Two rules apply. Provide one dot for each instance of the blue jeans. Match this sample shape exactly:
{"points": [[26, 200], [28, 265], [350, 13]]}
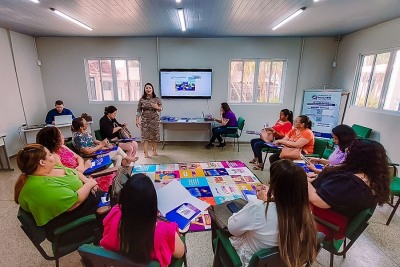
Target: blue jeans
{"points": [[217, 131], [256, 145]]}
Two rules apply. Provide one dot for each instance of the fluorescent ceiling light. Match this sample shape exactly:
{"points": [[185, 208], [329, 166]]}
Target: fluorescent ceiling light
{"points": [[182, 19], [70, 19], [295, 14], [35, 1], [178, 1]]}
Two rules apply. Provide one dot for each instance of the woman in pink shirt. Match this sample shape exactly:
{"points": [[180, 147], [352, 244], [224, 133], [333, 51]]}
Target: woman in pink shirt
{"points": [[132, 228]]}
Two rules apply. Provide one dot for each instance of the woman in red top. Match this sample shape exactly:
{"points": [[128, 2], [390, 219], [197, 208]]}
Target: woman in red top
{"points": [[132, 228], [278, 131]]}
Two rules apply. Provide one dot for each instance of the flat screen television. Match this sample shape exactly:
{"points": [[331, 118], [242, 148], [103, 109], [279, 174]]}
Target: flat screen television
{"points": [[185, 83]]}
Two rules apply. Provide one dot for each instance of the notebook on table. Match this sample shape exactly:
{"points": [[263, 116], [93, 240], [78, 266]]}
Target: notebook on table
{"points": [[62, 119]]}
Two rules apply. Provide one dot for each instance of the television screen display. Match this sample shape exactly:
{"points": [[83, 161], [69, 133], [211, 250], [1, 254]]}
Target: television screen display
{"points": [[185, 83]]}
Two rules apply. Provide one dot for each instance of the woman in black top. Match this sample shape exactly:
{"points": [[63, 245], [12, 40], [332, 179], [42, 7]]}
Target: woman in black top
{"points": [[110, 127], [361, 182]]}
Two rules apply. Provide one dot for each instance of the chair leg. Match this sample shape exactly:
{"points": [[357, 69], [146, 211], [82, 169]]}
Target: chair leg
{"points": [[393, 211], [238, 144], [57, 263], [331, 260], [344, 248], [265, 158]]}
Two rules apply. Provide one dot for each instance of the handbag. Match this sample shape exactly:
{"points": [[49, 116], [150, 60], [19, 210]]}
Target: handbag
{"points": [[290, 153], [266, 136], [124, 133]]}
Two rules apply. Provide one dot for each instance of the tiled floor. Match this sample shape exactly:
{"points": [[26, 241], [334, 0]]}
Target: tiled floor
{"points": [[378, 246]]}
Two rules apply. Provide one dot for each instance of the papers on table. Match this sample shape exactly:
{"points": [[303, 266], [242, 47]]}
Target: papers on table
{"points": [[178, 205]]}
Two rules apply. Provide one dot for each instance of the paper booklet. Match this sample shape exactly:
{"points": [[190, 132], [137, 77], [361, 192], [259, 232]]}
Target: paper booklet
{"points": [[253, 132], [178, 205], [99, 164], [272, 145], [104, 151]]}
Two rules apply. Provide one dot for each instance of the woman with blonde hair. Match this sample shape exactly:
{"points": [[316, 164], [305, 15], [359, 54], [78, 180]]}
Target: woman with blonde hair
{"points": [[280, 217]]}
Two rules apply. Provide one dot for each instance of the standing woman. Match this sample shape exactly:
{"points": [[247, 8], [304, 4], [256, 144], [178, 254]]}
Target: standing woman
{"points": [[110, 127], [148, 119]]}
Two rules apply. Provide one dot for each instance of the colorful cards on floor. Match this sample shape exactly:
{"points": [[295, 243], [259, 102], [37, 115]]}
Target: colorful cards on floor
{"points": [[211, 182]]}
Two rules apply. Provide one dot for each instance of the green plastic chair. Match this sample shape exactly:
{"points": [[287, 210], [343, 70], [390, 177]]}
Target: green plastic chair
{"points": [[237, 133], [98, 136], [96, 256], [394, 191], [354, 230], [37, 235], [362, 131], [319, 148], [225, 254]]}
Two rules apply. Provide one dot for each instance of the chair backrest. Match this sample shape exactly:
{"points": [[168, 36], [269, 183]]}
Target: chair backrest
{"points": [[267, 257], [95, 256], [241, 123], [327, 153], [362, 131], [319, 146], [35, 233], [358, 224], [98, 136]]}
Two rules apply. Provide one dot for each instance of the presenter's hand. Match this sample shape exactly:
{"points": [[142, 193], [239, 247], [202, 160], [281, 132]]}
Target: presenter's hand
{"points": [[138, 121]]}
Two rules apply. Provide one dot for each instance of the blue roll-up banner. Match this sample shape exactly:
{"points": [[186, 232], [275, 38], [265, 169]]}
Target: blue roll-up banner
{"points": [[322, 107]]}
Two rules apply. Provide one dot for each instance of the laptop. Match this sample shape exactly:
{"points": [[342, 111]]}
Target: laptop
{"points": [[62, 119]]}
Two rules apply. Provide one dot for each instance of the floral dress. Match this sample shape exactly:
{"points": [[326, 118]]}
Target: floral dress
{"points": [[150, 119]]}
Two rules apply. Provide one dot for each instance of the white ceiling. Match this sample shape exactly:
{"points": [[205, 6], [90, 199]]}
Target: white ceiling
{"points": [[205, 18]]}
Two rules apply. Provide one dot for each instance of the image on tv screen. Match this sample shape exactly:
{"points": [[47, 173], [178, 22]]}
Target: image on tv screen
{"points": [[185, 83]]}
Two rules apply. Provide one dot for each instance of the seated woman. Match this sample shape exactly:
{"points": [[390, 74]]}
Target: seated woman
{"points": [[361, 182], [228, 119], [343, 135], [53, 140], [300, 137], [278, 131], [135, 232], [84, 142], [280, 217], [110, 128], [54, 194]]}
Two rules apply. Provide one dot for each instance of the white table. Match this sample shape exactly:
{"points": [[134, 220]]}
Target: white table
{"points": [[30, 134], [187, 123], [4, 160]]}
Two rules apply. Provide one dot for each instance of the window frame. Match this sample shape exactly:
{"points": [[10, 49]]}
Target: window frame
{"points": [[255, 83], [385, 86], [114, 80]]}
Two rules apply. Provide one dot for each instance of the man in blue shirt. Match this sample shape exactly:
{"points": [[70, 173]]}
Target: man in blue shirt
{"points": [[58, 111]]}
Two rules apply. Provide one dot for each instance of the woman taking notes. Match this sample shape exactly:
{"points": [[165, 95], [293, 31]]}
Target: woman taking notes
{"points": [[227, 119], [148, 119], [280, 217], [132, 228]]}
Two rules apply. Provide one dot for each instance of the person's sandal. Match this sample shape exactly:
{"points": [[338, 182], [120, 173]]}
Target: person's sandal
{"points": [[258, 167], [253, 161]]}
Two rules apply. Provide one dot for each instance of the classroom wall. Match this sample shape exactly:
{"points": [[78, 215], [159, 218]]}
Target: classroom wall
{"points": [[386, 126], [64, 75], [22, 79]]}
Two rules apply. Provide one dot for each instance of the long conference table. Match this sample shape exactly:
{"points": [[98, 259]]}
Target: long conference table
{"points": [[166, 122]]}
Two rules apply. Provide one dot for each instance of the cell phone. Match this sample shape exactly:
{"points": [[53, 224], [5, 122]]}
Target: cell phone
{"points": [[306, 160], [232, 207]]}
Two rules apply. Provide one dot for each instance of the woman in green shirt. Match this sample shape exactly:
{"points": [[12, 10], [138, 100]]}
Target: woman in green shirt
{"points": [[54, 194]]}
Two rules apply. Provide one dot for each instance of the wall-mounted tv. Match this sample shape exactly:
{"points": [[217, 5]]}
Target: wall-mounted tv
{"points": [[185, 83]]}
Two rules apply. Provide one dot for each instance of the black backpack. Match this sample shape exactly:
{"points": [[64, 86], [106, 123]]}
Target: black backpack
{"points": [[118, 182]]}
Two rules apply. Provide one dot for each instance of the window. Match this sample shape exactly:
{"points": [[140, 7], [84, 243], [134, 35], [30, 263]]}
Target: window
{"points": [[112, 79], [377, 83], [256, 81]]}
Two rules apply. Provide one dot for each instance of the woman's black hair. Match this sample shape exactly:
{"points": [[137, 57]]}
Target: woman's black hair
{"points": [[144, 91], [225, 106], [109, 110], [76, 124], [50, 137], [306, 120], [345, 134], [138, 202], [289, 115]]}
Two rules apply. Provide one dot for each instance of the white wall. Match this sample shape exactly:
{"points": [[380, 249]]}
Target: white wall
{"points": [[64, 75], [385, 127], [29, 82]]}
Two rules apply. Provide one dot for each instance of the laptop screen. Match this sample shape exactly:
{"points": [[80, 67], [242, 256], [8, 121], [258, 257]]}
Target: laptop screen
{"points": [[62, 119]]}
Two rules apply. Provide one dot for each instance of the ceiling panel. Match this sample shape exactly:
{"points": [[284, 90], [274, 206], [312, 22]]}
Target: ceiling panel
{"points": [[204, 18]]}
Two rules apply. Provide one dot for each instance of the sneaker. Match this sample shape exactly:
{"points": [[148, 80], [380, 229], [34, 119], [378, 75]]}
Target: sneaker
{"points": [[221, 144], [209, 146]]}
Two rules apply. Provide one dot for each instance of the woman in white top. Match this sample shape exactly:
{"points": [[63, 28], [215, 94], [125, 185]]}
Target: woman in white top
{"points": [[280, 217]]}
